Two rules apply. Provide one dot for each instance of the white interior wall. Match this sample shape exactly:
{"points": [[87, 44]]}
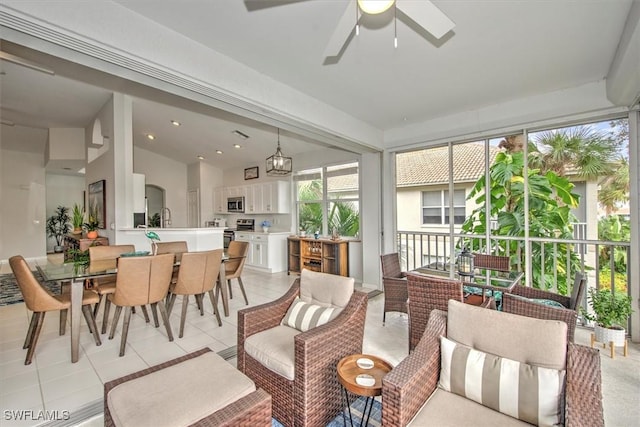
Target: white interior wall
{"points": [[22, 204], [168, 174]]}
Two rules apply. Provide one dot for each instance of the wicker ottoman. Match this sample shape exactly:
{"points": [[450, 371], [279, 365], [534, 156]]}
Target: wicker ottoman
{"points": [[199, 389]]}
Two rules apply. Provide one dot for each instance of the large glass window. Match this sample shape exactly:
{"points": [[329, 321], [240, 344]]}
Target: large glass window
{"points": [[328, 200], [435, 207]]}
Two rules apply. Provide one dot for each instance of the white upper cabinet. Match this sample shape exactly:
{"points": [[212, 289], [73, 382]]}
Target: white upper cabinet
{"points": [[219, 200], [276, 197]]}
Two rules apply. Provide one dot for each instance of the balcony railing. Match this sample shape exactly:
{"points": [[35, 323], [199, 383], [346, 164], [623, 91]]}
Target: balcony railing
{"points": [[436, 249]]}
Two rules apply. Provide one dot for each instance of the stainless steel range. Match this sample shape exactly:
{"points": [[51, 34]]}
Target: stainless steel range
{"points": [[243, 224]]}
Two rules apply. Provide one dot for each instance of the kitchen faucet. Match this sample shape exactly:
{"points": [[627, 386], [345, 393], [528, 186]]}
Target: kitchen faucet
{"points": [[165, 217]]}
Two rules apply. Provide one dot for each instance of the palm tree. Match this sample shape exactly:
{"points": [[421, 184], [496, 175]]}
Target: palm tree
{"points": [[614, 188], [587, 150]]}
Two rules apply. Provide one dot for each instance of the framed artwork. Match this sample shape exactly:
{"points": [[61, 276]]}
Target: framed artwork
{"points": [[97, 202], [251, 173]]}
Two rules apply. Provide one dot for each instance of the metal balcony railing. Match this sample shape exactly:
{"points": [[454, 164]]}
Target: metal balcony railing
{"points": [[437, 249]]}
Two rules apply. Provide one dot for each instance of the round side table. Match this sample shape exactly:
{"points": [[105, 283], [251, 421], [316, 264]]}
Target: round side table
{"points": [[348, 372]]}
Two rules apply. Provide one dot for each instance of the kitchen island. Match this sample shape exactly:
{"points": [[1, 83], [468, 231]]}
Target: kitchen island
{"points": [[198, 239]]}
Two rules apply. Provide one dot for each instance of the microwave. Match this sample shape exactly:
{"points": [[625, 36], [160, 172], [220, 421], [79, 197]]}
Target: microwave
{"points": [[235, 204]]}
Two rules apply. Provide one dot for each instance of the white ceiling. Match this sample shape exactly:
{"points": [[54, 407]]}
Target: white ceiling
{"points": [[498, 51]]}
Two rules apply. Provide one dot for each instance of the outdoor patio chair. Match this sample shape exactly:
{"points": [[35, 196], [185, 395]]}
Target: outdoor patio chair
{"points": [[427, 293], [532, 302], [395, 285], [296, 365], [439, 383]]}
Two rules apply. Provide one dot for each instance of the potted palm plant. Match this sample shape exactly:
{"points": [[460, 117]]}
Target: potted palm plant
{"points": [[91, 226], [77, 219], [58, 225], [610, 312]]}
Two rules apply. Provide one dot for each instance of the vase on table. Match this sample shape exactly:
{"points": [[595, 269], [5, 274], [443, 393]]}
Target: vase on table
{"points": [[93, 234], [265, 229]]}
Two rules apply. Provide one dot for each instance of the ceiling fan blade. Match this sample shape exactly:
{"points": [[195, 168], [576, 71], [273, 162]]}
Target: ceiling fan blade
{"points": [[343, 30], [427, 15]]}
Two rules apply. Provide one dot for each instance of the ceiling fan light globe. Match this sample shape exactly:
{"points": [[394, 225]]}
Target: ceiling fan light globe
{"points": [[374, 7]]}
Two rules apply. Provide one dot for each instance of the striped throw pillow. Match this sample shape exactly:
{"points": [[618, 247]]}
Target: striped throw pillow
{"points": [[304, 316], [529, 393]]}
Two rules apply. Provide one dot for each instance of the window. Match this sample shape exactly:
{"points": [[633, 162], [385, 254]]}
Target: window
{"points": [[435, 207], [329, 198]]}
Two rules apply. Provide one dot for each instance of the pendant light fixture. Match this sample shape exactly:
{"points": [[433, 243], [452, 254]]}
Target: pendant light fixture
{"points": [[277, 164]]}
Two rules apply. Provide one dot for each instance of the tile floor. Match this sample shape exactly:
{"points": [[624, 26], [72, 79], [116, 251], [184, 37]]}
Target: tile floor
{"points": [[53, 383]]}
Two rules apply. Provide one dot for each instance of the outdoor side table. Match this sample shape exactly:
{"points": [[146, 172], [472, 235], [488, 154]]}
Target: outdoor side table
{"points": [[350, 376]]}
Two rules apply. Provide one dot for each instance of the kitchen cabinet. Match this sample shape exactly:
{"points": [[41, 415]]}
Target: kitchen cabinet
{"points": [[267, 251], [219, 200], [273, 197], [322, 255]]}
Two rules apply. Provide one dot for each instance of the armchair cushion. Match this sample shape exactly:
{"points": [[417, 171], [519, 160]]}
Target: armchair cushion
{"points": [[326, 290], [304, 316], [502, 334], [274, 349], [527, 392]]}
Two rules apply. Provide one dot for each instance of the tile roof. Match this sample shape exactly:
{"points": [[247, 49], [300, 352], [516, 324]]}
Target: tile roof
{"points": [[431, 166]]}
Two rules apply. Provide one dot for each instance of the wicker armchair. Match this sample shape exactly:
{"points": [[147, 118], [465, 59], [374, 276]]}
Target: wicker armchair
{"points": [[412, 382], [313, 397], [395, 285], [519, 302], [427, 293]]}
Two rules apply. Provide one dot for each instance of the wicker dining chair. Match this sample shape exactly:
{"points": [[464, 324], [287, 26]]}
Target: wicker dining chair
{"points": [[39, 300], [310, 394], [528, 301], [491, 262], [197, 275], [427, 293], [394, 281]]}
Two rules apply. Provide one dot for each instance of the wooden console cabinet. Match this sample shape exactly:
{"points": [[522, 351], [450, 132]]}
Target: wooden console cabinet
{"points": [[80, 242], [323, 255]]}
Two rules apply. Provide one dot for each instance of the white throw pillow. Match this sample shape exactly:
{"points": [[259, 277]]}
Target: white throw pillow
{"points": [[304, 316], [529, 393]]}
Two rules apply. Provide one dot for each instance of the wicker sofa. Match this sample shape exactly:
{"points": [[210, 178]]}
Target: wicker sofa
{"points": [[525, 340], [308, 393]]}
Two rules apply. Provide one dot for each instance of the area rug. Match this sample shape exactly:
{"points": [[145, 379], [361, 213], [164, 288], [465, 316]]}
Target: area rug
{"points": [[10, 292], [356, 412]]}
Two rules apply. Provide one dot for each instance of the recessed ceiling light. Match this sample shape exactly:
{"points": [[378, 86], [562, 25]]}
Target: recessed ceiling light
{"points": [[175, 123], [200, 157], [150, 137], [218, 151], [236, 145], [240, 134]]}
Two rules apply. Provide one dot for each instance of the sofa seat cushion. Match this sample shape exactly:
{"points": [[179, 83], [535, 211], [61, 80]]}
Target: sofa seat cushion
{"points": [[501, 333], [178, 395], [529, 393], [274, 349], [444, 409]]}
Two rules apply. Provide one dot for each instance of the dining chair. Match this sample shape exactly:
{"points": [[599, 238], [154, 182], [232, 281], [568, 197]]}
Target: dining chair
{"points": [[234, 265], [394, 281], [541, 304], [197, 275], [427, 293], [177, 248], [491, 262], [141, 281], [39, 300], [101, 258]]}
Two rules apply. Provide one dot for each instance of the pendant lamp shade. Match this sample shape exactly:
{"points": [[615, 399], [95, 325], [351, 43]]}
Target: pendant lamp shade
{"points": [[278, 164]]}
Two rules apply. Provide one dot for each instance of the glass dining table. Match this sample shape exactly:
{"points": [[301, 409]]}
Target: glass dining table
{"points": [[76, 274], [488, 280]]}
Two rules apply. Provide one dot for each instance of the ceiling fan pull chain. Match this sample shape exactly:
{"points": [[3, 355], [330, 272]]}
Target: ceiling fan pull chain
{"points": [[395, 26], [357, 24]]}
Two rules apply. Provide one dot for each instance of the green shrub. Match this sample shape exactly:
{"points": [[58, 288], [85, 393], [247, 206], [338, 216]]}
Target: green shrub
{"points": [[620, 280]]}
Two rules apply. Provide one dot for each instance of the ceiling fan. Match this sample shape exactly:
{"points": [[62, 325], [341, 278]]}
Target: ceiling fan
{"points": [[422, 12]]}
